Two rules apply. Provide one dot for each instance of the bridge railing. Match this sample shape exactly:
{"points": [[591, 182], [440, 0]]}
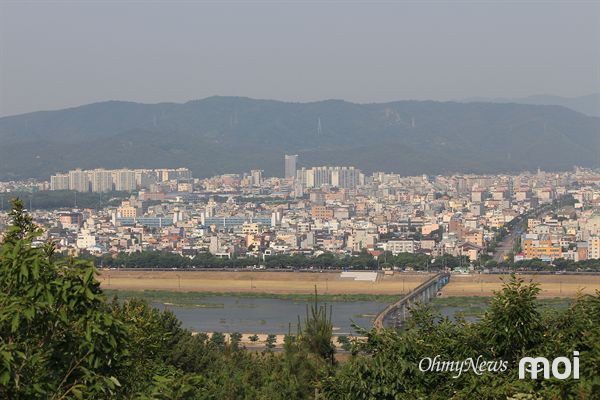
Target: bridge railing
{"points": [[378, 323]]}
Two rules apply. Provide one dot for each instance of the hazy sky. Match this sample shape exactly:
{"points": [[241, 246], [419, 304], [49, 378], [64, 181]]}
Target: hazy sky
{"points": [[60, 54]]}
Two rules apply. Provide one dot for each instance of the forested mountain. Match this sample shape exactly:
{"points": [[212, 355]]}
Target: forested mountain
{"points": [[232, 134], [588, 104]]}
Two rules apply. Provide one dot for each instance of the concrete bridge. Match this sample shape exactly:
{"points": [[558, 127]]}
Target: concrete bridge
{"points": [[395, 314]]}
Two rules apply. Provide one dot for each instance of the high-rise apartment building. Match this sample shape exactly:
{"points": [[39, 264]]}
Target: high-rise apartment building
{"points": [[256, 175], [171, 174], [341, 177], [102, 180], [124, 180], [79, 180], [59, 182], [346, 177], [145, 177], [180, 174], [290, 166]]}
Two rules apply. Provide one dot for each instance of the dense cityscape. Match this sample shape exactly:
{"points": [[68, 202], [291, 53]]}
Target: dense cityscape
{"points": [[327, 209]]}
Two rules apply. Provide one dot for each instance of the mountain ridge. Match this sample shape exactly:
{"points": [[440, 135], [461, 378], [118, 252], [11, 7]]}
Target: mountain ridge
{"points": [[587, 104], [222, 134]]}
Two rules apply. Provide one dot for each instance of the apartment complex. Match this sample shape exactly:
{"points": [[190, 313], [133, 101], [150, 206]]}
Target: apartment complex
{"points": [[127, 180]]}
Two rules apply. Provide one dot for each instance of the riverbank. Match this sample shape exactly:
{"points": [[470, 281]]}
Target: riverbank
{"points": [[259, 340], [551, 285], [326, 283]]}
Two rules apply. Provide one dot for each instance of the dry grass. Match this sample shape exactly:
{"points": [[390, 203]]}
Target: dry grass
{"points": [[550, 285], [330, 283], [256, 281]]}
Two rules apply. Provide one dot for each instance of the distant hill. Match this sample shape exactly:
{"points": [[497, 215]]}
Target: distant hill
{"points": [[232, 134], [589, 105]]}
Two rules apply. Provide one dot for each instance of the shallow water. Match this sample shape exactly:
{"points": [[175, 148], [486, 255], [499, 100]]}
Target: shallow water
{"points": [[263, 315]]}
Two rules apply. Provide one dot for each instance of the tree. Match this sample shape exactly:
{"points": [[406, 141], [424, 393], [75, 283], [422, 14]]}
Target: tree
{"points": [[386, 365], [153, 338], [270, 342], [218, 340], [58, 337], [344, 342], [234, 340], [513, 323], [316, 335]]}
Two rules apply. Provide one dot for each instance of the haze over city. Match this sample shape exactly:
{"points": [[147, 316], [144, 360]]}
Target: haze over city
{"points": [[63, 54]]}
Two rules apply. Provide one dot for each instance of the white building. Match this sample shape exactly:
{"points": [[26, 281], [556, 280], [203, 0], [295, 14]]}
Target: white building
{"points": [[124, 180], [290, 165], [59, 182], [85, 239], [79, 180], [400, 246], [341, 177], [102, 180]]}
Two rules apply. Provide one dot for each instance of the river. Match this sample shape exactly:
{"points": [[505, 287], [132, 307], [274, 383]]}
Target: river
{"points": [[265, 315]]}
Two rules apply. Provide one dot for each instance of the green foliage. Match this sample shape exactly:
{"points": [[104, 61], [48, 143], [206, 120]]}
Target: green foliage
{"points": [[270, 342], [151, 337], [344, 342], [57, 335], [174, 385], [386, 365], [59, 338], [513, 324], [217, 339], [53, 199], [316, 335], [361, 261], [234, 340], [198, 298]]}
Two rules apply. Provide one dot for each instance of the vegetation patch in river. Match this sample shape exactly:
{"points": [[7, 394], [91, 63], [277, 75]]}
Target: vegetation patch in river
{"points": [[474, 307], [195, 305], [162, 296]]}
